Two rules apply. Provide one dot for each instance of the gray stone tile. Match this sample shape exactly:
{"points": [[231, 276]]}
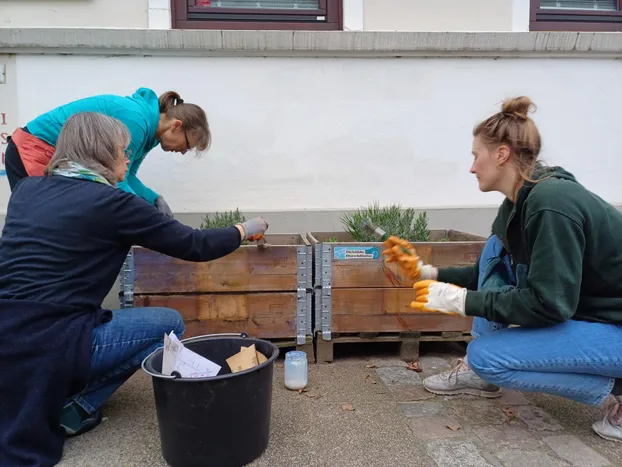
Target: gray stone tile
{"points": [[572, 449], [510, 397], [457, 453], [435, 428], [433, 364], [527, 458], [506, 437], [393, 376], [479, 413], [384, 362], [422, 409], [537, 419]]}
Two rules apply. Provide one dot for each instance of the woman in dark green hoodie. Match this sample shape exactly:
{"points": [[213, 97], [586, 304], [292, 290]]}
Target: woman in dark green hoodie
{"points": [[167, 121], [553, 267]]}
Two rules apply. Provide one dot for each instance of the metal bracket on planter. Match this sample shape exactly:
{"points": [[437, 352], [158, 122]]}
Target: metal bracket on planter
{"points": [[324, 308], [302, 267], [127, 281], [301, 317], [304, 324], [326, 312], [318, 264], [309, 262], [327, 253]]}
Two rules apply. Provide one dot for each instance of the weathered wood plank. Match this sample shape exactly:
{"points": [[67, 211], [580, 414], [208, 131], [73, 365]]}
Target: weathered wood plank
{"points": [[373, 272], [249, 268], [386, 310], [265, 315]]}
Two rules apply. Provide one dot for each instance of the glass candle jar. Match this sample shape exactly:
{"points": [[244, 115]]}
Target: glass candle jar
{"points": [[296, 370]]}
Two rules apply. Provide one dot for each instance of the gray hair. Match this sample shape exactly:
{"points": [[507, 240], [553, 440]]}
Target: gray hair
{"points": [[92, 140]]}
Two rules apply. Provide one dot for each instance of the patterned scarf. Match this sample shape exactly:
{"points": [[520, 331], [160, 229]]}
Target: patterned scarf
{"points": [[75, 170]]}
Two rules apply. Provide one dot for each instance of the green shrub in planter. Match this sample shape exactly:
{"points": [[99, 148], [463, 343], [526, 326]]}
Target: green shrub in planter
{"points": [[403, 223], [226, 219]]}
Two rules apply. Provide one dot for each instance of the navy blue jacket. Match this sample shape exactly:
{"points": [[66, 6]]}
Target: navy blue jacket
{"points": [[61, 250]]}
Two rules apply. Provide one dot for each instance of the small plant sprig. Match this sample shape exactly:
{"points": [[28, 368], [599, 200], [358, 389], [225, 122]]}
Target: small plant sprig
{"points": [[395, 220], [226, 219]]}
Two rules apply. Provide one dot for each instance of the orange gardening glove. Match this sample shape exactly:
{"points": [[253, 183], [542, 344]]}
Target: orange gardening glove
{"points": [[402, 252], [439, 297]]}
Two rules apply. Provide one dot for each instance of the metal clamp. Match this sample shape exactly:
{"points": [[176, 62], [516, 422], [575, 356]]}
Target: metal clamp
{"points": [[127, 281], [301, 317]]}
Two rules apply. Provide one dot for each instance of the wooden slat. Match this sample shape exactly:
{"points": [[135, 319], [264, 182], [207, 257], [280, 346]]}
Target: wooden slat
{"points": [[249, 268], [375, 273], [386, 310], [269, 315]]}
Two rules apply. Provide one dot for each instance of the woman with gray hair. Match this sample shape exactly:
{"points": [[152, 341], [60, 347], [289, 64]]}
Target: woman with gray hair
{"points": [[65, 239]]}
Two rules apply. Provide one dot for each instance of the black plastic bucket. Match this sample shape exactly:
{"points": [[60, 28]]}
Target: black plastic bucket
{"points": [[222, 420]]}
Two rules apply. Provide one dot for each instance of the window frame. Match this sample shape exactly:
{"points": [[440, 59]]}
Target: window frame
{"points": [[331, 9], [574, 20]]}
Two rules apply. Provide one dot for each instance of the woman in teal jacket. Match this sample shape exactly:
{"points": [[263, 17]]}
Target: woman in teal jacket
{"points": [[168, 121]]}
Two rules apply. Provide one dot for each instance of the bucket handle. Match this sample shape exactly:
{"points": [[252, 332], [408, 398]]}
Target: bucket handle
{"points": [[175, 374], [243, 335]]}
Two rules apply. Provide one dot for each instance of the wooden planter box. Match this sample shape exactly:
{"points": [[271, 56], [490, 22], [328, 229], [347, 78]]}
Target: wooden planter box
{"points": [[264, 292], [358, 298]]}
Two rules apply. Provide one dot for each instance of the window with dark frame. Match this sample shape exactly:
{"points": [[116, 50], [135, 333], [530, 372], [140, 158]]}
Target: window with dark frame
{"points": [[576, 15], [257, 14]]}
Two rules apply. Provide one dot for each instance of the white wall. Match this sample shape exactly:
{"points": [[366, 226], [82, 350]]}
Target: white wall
{"points": [[76, 13], [338, 133], [8, 117], [439, 15]]}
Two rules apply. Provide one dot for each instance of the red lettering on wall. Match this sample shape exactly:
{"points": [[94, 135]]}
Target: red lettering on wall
{"points": [[2, 118], [4, 138]]}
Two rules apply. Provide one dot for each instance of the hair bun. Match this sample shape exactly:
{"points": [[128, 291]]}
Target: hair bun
{"points": [[518, 106]]}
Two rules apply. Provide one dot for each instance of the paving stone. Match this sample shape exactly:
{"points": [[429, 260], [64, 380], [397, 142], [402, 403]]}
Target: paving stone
{"points": [[422, 409], [571, 449], [537, 419], [479, 412], [409, 393], [433, 365], [385, 362], [457, 453], [510, 397], [392, 376], [435, 428], [505, 437], [526, 458]]}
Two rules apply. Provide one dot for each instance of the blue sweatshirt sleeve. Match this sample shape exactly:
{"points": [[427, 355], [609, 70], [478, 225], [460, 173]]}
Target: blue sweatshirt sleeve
{"points": [[137, 153], [139, 223]]}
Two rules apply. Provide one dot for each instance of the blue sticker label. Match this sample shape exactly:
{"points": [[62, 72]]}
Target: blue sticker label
{"points": [[356, 252]]}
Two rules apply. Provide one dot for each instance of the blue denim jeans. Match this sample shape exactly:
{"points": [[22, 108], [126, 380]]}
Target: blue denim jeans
{"points": [[577, 360], [120, 346]]}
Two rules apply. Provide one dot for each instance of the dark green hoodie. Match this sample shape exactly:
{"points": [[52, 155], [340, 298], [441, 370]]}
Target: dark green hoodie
{"points": [[566, 248]]}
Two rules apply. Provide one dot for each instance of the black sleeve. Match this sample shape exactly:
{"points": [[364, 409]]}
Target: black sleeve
{"points": [[140, 223]]}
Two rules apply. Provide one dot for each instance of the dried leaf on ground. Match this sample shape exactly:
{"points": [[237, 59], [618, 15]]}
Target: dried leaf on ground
{"points": [[454, 427], [509, 414], [370, 365], [370, 379], [348, 407], [414, 366]]}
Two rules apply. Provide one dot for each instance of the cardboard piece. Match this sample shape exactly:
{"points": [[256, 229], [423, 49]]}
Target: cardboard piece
{"points": [[246, 358]]}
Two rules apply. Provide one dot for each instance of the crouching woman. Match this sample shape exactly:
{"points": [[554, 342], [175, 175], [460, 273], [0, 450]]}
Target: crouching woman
{"points": [[64, 241]]}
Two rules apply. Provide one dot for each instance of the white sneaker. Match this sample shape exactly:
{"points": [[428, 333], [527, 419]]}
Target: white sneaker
{"points": [[610, 428], [460, 380]]}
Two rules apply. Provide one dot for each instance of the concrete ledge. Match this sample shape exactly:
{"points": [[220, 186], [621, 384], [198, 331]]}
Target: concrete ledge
{"points": [[307, 43]]}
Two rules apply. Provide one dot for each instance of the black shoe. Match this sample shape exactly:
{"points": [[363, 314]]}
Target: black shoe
{"points": [[76, 421]]}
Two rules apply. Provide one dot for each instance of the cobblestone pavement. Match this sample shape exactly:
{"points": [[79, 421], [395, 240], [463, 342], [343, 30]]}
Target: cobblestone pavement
{"points": [[509, 431], [373, 411]]}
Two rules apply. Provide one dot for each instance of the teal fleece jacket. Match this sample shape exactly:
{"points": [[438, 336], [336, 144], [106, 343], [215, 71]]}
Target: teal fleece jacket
{"points": [[564, 242], [140, 113]]}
